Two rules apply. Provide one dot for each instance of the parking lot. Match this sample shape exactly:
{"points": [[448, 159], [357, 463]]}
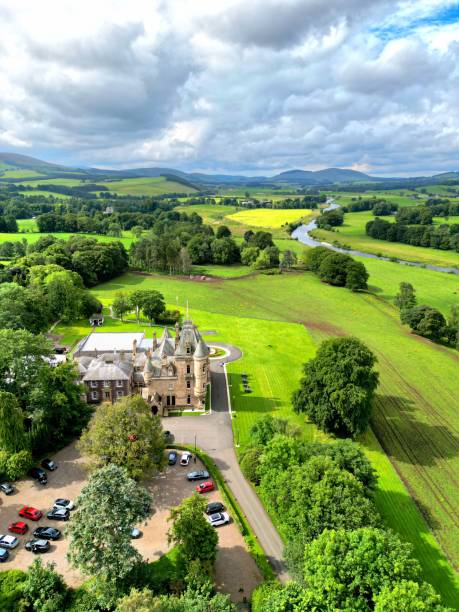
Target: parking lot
{"points": [[235, 571]]}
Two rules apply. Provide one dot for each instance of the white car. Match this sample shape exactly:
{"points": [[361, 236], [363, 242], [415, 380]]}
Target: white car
{"points": [[64, 503], [8, 541], [218, 519], [185, 458]]}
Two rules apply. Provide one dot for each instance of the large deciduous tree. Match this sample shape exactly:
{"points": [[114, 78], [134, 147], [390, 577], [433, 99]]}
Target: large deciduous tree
{"points": [[190, 531], [409, 596], [121, 304], [127, 434], [12, 435], [347, 569], [100, 531], [153, 304], [338, 386]]}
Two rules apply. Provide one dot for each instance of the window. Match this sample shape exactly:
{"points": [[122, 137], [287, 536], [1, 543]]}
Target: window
{"points": [[204, 368], [106, 383], [170, 400], [188, 349], [170, 387], [188, 399], [119, 394], [203, 385], [93, 383], [119, 383], [107, 394], [94, 395], [188, 369], [188, 384]]}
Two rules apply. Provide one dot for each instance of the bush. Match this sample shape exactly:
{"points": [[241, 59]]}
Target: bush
{"points": [[249, 464], [11, 586], [18, 464]]}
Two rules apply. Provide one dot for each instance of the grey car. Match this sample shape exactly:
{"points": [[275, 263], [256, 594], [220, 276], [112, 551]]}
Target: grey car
{"points": [[198, 475]]}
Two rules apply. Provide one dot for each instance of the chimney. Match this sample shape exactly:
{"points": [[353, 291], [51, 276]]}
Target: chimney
{"points": [[177, 334], [155, 341]]}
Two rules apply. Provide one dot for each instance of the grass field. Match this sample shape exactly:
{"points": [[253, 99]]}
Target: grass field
{"points": [[65, 182], [402, 197], [19, 173], [43, 192], [352, 233], [268, 218], [415, 417], [146, 186]]}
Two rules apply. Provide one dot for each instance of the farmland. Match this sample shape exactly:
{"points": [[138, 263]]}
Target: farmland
{"points": [[352, 233], [414, 419], [269, 218]]}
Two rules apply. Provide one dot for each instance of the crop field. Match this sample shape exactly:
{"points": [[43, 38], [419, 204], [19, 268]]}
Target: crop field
{"points": [[415, 418], [402, 197], [146, 186], [268, 218], [352, 233]]}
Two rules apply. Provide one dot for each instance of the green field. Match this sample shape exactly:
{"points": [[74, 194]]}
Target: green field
{"points": [[415, 418], [146, 186], [268, 218], [352, 233], [402, 197], [19, 173], [65, 182], [42, 192], [32, 237]]}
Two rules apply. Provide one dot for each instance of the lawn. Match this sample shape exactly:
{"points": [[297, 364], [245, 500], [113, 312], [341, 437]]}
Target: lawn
{"points": [[268, 218], [146, 186], [415, 419], [352, 233]]}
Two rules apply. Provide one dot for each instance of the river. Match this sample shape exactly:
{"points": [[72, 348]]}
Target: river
{"points": [[302, 234]]}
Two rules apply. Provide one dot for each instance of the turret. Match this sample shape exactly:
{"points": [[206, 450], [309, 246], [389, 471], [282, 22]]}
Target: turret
{"points": [[177, 334], [148, 371], [155, 341], [201, 365]]}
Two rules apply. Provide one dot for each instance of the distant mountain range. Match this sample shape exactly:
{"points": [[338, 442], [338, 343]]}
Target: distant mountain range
{"points": [[298, 178]]}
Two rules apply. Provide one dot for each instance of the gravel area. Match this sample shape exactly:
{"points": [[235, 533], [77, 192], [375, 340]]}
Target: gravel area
{"points": [[235, 571]]}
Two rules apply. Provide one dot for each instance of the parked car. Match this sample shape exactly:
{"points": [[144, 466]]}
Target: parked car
{"points": [[58, 514], [135, 533], [49, 464], [4, 554], [8, 541], [64, 503], [185, 458], [39, 474], [168, 437], [29, 512], [6, 488], [172, 458], [47, 533], [205, 487], [18, 527], [214, 507], [218, 519], [37, 546], [198, 475]]}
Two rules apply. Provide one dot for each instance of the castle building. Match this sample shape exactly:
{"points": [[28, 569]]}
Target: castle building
{"points": [[171, 372]]}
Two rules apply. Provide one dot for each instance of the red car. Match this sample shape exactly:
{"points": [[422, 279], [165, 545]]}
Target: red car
{"points": [[31, 513], [205, 487], [18, 527]]}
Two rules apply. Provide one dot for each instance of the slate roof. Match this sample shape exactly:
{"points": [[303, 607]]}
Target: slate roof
{"points": [[99, 370]]}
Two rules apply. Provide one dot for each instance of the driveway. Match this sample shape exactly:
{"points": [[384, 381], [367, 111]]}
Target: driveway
{"points": [[214, 435]]}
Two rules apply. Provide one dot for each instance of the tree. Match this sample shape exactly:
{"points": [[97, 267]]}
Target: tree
{"points": [[333, 269], [312, 258], [152, 304], [121, 304], [338, 386], [185, 261], [225, 251], [289, 259], [23, 308], [223, 231], [427, 321], [64, 291], [136, 302], [266, 427], [263, 261], [115, 229], [44, 589], [405, 299], [409, 596], [274, 597], [100, 530], [125, 434], [356, 276], [453, 326], [137, 231], [250, 462], [200, 250], [249, 255], [191, 532], [197, 599], [12, 434], [347, 569]]}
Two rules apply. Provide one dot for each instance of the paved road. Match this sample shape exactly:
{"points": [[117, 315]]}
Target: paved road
{"points": [[214, 435]]}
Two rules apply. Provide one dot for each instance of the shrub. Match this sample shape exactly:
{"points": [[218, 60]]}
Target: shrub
{"points": [[249, 464], [18, 464], [11, 586]]}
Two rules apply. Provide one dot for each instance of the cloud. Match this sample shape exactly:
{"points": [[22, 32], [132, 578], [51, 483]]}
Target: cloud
{"points": [[255, 86]]}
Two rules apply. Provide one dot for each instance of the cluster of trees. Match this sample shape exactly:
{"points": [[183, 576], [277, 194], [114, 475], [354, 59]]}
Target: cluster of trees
{"points": [[330, 219], [94, 261], [40, 405], [338, 386], [147, 301], [445, 237], [336, 269], [379, 206], [425, 320], [442, 207], [418, 215], [308, 200], [8, 224], [337, 550], [259, 251]]}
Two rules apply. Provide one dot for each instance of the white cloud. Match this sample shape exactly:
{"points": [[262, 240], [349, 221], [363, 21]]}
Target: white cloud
{"points": [[260, 85]]}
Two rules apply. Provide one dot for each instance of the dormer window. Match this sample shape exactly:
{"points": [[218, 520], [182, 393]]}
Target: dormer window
{"points": [[171, 371], [188, 349]]}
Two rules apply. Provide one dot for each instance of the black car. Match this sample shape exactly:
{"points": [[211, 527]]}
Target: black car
{"points": [[49, 464], [47, 533], [172, 458], [37, 545], [6, 488], [39, 474], [214, 507], [198, 475], [58, 514], [4, 554]]}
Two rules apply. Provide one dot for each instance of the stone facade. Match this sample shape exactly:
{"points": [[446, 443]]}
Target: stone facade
{"points": [[170, 373]]}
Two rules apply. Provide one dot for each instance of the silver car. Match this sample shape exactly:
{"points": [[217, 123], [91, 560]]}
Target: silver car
{"points": [[8, 541], [218, 519]]}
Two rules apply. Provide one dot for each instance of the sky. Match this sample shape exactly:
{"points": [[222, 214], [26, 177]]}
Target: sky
{"points": [[229, 86]]}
